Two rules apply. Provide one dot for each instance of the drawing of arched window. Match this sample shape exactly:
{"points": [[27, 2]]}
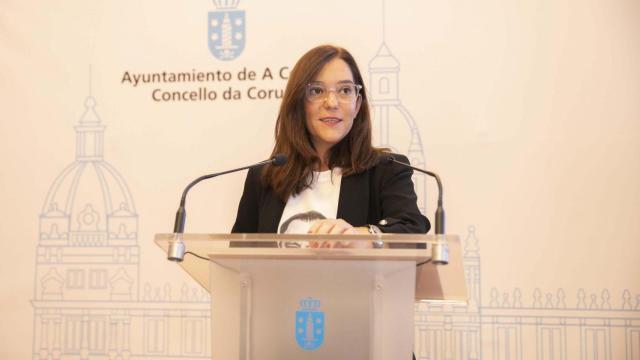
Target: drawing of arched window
{"points": [[383, 85], [595, 343], [193, 336], [507, 343]]}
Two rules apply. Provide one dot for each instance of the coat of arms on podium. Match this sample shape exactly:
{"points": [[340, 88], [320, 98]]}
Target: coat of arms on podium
{"points": [[309, 324], [226, 30]]}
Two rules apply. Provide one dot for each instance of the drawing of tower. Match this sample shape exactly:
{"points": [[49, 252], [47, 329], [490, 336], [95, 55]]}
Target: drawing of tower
{"points": [[392, 122], [88, 302], [88, 248], [509, 327], [452, 331]]}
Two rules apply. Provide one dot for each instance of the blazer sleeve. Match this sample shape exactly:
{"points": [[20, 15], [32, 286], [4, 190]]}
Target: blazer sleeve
{"points": [[398, 200], [248, 208]]}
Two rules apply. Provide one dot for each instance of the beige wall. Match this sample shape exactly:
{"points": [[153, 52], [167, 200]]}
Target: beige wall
{"points": [[528, 110]]}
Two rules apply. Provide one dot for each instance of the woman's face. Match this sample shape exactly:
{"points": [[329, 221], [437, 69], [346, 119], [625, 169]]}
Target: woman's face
{"points": [[328, 118]]}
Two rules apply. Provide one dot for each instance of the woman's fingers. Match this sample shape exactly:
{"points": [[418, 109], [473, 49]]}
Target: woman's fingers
{"points": [[330, 226], [336, 227]]}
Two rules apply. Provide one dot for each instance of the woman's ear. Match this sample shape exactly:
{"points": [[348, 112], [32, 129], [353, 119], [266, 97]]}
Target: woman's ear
{"points": [[358, 103]]}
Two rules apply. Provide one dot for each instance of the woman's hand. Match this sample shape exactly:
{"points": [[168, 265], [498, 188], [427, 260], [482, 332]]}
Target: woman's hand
{"points": [[332, 226], [337, 227]]}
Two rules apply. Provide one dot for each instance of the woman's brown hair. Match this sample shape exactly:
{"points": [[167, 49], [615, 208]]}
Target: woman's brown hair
{"points": [[353, 154]]}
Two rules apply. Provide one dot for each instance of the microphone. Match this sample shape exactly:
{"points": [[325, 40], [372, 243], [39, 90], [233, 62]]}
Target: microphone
{"points": [[176, 247], [440, 251]]}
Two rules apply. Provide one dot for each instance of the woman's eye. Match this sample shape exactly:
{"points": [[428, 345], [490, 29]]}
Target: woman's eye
{"points": [[316, 91], [346, 90]]}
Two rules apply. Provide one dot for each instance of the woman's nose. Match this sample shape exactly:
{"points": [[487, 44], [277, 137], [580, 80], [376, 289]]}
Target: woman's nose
{"points": [[331, 100]]}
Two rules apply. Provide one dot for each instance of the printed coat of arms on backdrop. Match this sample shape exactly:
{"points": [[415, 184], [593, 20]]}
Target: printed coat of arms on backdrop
{"points": [[226, 30], [309, 324]]}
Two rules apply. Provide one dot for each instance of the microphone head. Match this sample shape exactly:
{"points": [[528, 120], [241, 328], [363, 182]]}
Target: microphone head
{"points": [[279, 160], [386, 158]]}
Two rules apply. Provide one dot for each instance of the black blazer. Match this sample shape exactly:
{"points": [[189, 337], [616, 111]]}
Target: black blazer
{"points": [[383, 192]]}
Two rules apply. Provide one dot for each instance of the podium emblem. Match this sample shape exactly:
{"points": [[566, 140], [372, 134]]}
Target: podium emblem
{"points": [[226, 33], [309, 324]]}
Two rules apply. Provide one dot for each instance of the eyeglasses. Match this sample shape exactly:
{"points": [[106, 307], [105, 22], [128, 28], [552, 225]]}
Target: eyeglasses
{"points": [[346, 93]]}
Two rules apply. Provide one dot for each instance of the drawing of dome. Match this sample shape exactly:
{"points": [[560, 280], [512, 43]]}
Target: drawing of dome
{"points": [[393, 125], [89, 203]]}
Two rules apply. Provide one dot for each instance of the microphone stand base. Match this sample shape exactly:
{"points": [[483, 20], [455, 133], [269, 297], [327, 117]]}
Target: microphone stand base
{"points": [[176, 251], [440, 252]]}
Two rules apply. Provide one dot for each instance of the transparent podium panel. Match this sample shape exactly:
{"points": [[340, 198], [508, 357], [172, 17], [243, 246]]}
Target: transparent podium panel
{"points": [[295, 309], [327, 297]]}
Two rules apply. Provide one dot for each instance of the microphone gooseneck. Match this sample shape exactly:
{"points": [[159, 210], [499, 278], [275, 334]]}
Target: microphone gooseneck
{"points": [[176, 247], [439, 216], [440, 248]]}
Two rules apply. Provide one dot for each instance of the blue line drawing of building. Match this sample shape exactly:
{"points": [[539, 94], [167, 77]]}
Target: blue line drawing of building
{"points": [[391, 120], [448, 331], [507, 329], [87, 301], [544, 326]]}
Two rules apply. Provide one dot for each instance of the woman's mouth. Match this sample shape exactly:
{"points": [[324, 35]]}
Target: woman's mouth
{"points": [[330, 120]]}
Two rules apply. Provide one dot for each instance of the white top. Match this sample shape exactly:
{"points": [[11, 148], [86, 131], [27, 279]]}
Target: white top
{"points": [[319, 201]]}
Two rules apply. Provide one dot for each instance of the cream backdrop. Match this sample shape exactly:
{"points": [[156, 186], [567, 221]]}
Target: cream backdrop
{"points": [[528, 109]]}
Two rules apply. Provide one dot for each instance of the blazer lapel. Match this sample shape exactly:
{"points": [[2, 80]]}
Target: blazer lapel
{"points": [[270, 213], [353, 206]]}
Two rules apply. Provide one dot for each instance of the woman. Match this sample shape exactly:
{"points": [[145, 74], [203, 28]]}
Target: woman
{"points": [[335, 181]]}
